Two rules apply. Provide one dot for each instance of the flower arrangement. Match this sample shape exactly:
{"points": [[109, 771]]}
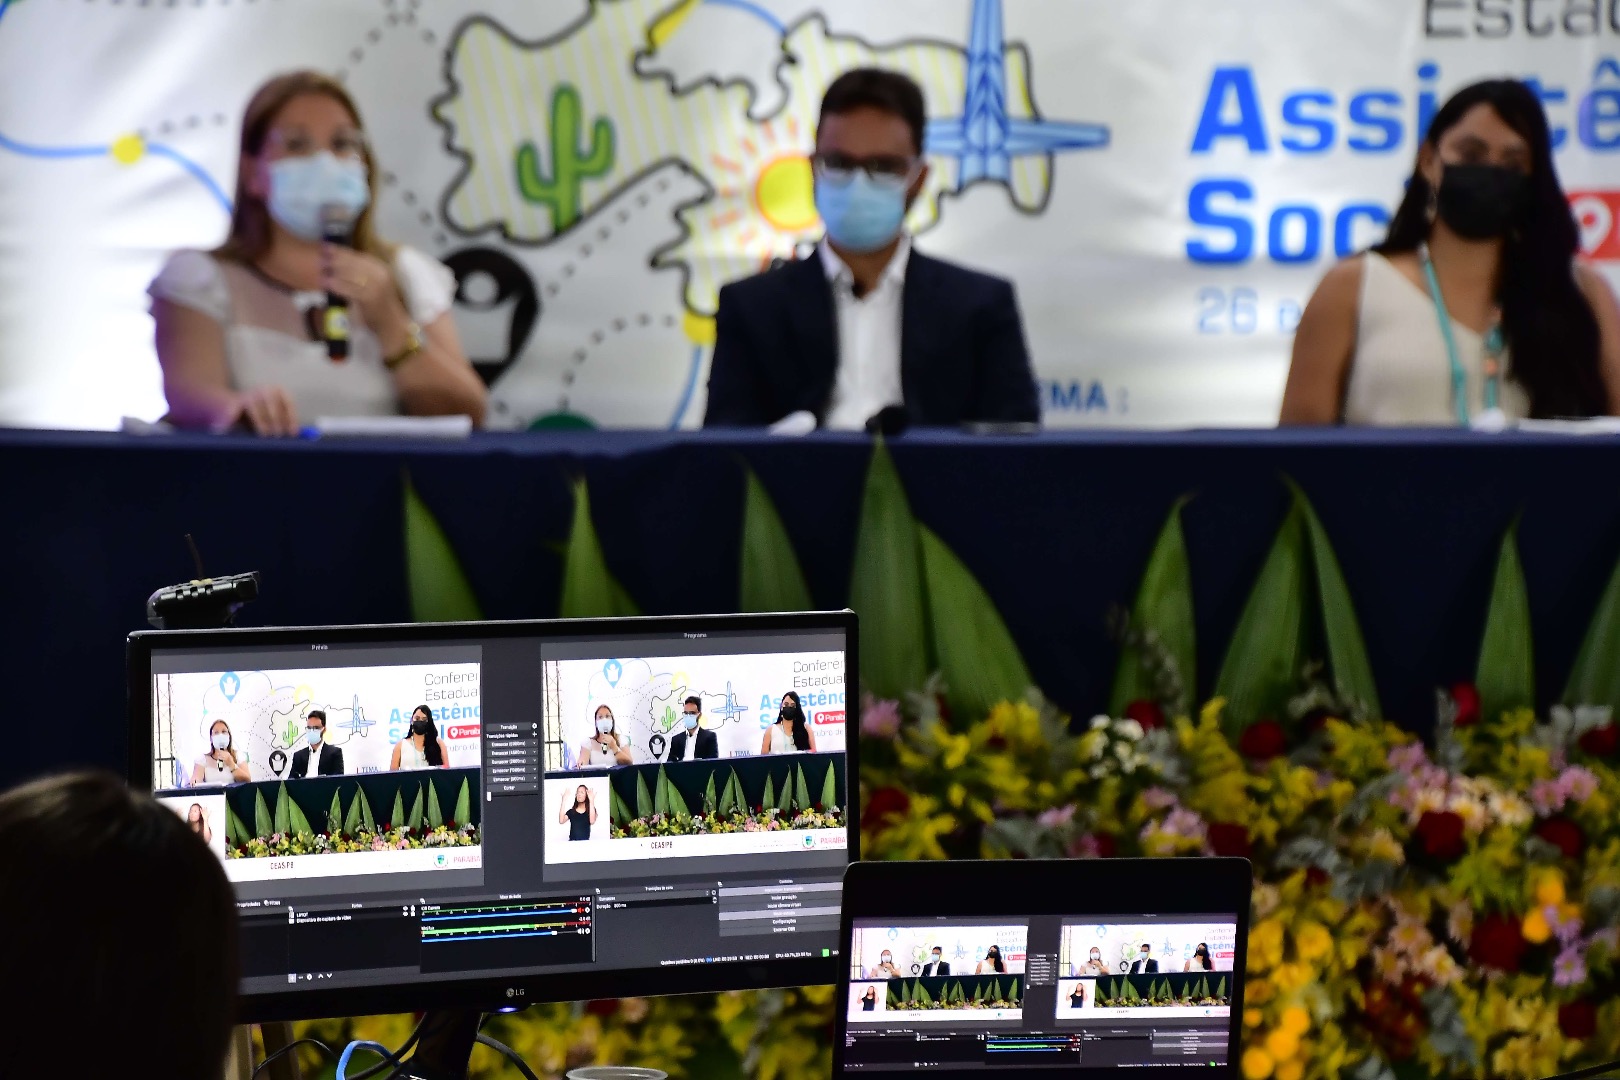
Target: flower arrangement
{"points": [[384, 838], [287, 831], [759, 819], [989, 992]]}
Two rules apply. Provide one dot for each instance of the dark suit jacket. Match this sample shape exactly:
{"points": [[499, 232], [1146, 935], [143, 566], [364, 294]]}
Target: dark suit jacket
{"points": [[944, 969], [962, 352], [1151, 969], [331, 763], [708, 746]]}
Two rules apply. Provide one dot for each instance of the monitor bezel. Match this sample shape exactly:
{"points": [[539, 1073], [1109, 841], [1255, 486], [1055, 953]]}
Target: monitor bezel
{"points": [[505, 992], [890, 890]]}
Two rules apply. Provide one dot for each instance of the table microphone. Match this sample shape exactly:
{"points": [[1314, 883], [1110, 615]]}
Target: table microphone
{"points": [[337, 227]]}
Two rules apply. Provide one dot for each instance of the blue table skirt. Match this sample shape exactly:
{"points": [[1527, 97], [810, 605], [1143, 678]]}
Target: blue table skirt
{"points": [[1056, 527]]}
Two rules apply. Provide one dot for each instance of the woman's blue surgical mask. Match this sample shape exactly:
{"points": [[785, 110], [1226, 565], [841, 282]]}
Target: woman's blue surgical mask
{"points": [[604, 724], [301, 186], [861, 214], [220, 740]]}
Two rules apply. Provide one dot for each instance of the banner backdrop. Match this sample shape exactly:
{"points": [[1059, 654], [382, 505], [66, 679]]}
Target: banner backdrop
{"points": [[1165, 182]]}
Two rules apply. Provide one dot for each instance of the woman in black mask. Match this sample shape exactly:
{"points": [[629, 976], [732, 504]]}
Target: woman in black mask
{"points": [[420, 748], [791, 733], [1200, 960], [1473, 311]]}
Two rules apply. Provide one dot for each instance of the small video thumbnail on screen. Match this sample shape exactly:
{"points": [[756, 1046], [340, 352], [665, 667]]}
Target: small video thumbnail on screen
{"points": [[1109, 970], [669, 757], [324, 772], [946, 971]]}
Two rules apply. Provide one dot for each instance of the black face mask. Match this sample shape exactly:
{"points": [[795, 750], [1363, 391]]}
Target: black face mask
{"points": [[1482, 202], [419, 727]]}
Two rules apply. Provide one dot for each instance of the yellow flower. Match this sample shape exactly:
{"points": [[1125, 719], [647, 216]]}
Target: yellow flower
{"points": [[1257, 1064], [1296, 1019], [1550, 889], [1535, 927], [1252, 1017], [1292, 977], [1282, 1045], [1266, 944], [1291, 1070], [1313, 941]]}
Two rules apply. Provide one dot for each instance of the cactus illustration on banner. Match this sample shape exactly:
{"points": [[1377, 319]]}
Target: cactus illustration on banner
{"points": [[571, 165]]}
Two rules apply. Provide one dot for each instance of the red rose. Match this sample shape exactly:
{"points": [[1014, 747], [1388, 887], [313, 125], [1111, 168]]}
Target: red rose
{"points": [[603, 1007], [1496, 942], [1263, 740], [887, 802], [1441, 834], [1227, 838], [1316, 877], [1315, 721], [1601, 742], [1466, 700], [1562, 834], [1577, 1019], [1145, 712]]}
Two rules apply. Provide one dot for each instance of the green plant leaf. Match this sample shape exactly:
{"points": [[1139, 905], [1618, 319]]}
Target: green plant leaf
{"points": [[435, 813], [1266, 656], [677, 804], [970, 640], [801, 790], [769, 798], [829, 788], [283, 821], [661, 793], [589, 590], [1346, 650], [735, 788], [771, 578], [1595, 678], [297, 821], [438, 586], [1506, 675], [418, 809], [710, 804], [784, 797], [352, 820], [397, 817], [263, 823], [886, 585], [235, 831], [616, 808], [334, 815], [1163, 608], [644, 800], [463, 814]]}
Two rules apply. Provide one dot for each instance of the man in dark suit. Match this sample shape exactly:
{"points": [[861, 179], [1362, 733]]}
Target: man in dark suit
{"points": [[316, 759], [936, 966], [1144, 964], [868, 325], [705, 745]]}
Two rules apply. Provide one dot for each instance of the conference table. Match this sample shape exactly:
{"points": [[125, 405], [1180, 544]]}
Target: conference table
{"points": [[1057, 528]]}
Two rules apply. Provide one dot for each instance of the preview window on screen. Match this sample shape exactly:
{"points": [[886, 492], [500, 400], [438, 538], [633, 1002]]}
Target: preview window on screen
{"points": [[512, 804]]}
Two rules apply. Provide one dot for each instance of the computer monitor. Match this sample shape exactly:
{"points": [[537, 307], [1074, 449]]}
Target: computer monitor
{"points": [[511, 812], [1071, 968]]}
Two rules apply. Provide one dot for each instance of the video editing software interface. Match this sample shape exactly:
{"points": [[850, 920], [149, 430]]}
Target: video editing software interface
{"points": [[1044, 995], [513, 806]]}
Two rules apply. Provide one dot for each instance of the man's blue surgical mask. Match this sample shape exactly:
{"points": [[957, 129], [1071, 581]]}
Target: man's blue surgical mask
{"points": [[314, 734], [690, 720], [301, 186], [861, 214]]}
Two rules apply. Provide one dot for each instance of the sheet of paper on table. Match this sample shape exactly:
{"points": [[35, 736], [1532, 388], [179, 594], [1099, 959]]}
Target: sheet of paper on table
{"points": [[421, 427], [1596, 425]]}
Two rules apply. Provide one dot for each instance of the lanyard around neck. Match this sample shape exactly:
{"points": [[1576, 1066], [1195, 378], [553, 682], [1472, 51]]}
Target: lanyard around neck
{"points": [[1459, 376]]}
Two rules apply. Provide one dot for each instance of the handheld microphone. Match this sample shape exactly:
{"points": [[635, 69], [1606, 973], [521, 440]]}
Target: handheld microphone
{"points": [[337, 227]]}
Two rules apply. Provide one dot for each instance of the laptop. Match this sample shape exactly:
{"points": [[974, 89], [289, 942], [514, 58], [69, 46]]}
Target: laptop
{"points": [[1042, 968]]}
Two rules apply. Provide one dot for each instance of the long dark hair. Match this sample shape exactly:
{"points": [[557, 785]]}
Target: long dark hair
{"points": [[1546, 319], [995, 951], [801, 733], [430, 741], [1201, 954], [230, 745]]}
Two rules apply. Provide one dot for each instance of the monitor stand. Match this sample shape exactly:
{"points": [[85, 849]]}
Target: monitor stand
{"points": [[445, 1049]]}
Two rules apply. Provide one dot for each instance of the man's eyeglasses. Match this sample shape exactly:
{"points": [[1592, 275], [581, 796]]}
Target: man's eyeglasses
{"points": [[345, 144], [882, 169]]}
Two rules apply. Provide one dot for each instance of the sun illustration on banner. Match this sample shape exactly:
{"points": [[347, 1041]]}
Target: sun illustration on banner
{"points": [[766, 203]]}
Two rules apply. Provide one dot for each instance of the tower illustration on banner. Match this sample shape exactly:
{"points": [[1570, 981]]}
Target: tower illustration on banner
{"points": [[984, 139]]}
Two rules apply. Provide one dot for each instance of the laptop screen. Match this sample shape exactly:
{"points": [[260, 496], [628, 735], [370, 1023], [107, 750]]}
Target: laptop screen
{"points": [[1043, 994]]}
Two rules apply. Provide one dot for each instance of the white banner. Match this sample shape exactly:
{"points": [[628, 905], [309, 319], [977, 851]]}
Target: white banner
{"points": [[368, 711], [1165, 182]]}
